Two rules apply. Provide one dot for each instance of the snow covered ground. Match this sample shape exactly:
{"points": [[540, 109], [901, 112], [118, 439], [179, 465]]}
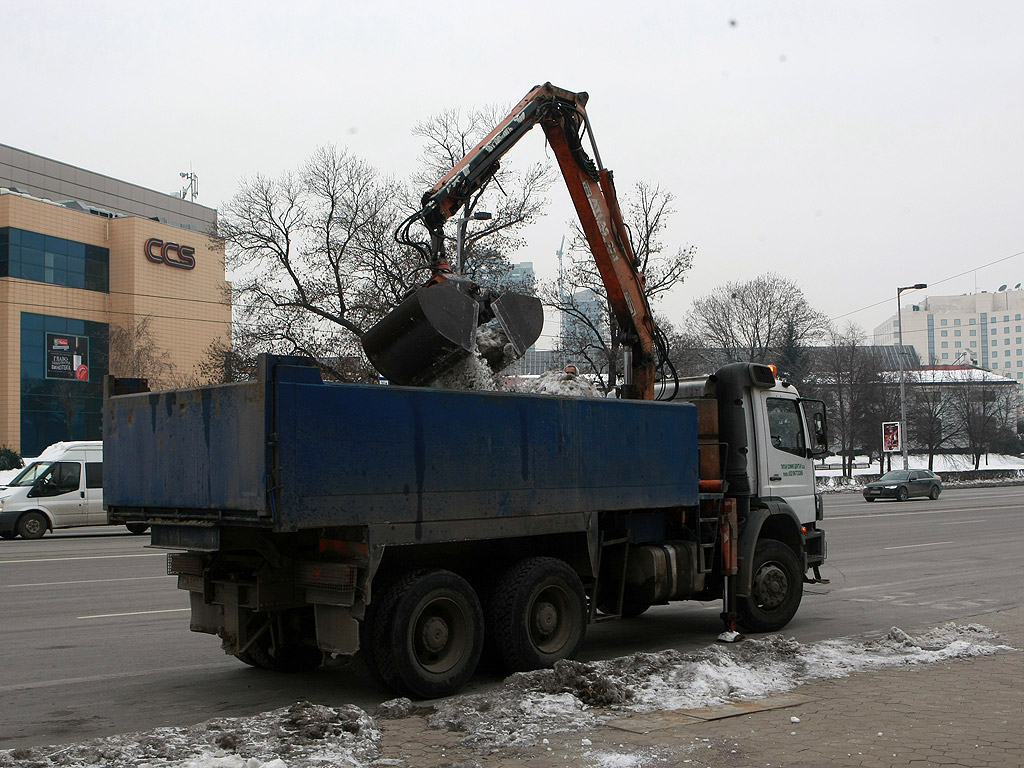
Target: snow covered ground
{"points": [[522, 712]]}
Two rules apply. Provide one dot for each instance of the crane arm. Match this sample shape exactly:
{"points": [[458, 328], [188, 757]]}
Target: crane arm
{"points": [[562, 115]]}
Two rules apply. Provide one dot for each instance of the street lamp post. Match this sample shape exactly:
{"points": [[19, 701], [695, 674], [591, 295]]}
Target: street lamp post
{"points": [[460, 236], [899, 358]]}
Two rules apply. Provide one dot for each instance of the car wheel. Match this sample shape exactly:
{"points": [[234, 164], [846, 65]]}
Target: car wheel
{"points": [[776, 588], [902, 494], [32, 525], [537, 614], [934, 493], [867, 498], [137, 528]]}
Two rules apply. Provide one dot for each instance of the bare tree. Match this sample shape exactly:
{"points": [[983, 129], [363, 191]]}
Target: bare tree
{"points": [[134, 353], [931, 421], [592, 336], [515, 196], [843, 378], [984, 411], [313, 259], [752, 320]]}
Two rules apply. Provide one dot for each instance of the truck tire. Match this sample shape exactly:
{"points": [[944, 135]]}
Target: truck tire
{"points": [[428, 634], [776, 588], [280, 645], [32, 525], [137, 528], [537, 614]]}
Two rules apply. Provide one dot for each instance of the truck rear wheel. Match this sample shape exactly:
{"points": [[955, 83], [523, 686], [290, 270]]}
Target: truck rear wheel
{"points": [[137, 528], [428, 634], [537, 614], [776, 588], [279, 645], [32, 525]]}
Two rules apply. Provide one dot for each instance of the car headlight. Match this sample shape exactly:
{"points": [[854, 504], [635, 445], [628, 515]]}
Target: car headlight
{"points": [[890, 487]]}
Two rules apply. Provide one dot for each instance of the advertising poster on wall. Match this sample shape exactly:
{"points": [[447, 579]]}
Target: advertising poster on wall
{"points": [[891, 437], [67, 357]]}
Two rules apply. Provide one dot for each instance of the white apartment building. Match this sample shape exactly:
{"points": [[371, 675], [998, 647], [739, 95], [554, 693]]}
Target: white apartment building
{"points": [[983, 329]]}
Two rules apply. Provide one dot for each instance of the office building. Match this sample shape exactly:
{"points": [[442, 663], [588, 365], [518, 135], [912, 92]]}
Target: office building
{"points": [[82, 254]]}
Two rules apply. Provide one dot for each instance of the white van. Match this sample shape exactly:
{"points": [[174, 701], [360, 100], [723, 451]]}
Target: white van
{"points": [[61, 488]]}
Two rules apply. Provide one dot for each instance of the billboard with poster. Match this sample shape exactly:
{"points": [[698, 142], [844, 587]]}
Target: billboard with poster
{"points": [[892, 437], [67, 357]]}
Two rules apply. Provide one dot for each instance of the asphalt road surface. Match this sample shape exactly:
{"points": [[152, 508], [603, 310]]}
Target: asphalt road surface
{"points": [[94, 635]]}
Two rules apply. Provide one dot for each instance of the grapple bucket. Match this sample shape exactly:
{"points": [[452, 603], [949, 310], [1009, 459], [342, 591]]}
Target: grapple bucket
{"points": [[434, 329], [424, 336], [521, 317]]}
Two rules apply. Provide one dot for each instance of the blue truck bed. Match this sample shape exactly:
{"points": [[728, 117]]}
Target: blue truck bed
{"points": [[288, 451]]}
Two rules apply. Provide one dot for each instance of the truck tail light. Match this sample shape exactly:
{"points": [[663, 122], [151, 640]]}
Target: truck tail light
{"points": [[326, 576]]}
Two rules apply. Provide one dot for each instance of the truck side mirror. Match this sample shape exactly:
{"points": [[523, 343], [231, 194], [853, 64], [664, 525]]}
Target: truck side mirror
{"points": [[820, 435]]}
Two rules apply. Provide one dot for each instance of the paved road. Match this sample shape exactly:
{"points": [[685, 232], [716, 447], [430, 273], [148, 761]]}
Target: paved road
{"points": [[95, 639]]}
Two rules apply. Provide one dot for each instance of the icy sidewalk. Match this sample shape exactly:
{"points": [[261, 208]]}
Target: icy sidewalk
{"points": [[812, 705]]}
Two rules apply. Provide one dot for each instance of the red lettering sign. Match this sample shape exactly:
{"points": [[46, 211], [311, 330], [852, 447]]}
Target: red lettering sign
{"points": [[171, 254]]}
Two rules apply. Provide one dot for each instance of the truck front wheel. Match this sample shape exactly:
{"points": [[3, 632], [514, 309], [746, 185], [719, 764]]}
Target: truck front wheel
{"points": [[428, 634], [537, 614], [776, 588]]}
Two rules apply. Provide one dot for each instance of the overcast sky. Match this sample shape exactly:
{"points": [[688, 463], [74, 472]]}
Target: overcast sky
{"points": [[853, 146]]}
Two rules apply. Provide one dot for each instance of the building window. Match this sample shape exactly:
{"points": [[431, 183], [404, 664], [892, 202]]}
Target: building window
{"points": [[54, 260], [974, 332], [943, 322], [972, 321], [945, 355], [956, 333], [1006, 318], [944, 333], [945, 344], [995, 354], [1006, 341], [993, 330], [957, 344], [956, 321]]}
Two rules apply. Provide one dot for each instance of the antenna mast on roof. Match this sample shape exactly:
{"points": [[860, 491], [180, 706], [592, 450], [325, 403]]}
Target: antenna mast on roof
{"points": [[192, 187]]}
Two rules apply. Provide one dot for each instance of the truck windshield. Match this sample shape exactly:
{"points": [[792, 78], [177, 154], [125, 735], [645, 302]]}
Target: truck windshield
{"points": [[30, 474]]}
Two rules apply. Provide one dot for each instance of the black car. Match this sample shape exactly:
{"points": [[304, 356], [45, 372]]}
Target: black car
{"points": [[901, 484]]}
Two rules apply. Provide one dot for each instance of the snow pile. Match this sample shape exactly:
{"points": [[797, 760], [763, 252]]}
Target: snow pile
{"points": [[524, 711], [303, 734], [531, 705], [561, 384]]}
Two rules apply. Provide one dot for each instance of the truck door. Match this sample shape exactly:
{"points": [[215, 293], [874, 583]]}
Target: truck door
{"points": [[788, 469]]}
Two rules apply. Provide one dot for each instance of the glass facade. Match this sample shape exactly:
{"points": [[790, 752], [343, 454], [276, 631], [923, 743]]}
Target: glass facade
{"points": [[54, 260], [55, 406]]}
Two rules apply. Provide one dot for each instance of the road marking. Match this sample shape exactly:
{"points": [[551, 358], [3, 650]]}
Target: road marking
{"points": [[965, 522], [875, 515], [80, 581], [929, 544], [114, 676], [83, 557], [134, 613]]}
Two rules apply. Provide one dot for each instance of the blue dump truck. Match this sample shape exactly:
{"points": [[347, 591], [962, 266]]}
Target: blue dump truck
{"points": [[417, 526]]}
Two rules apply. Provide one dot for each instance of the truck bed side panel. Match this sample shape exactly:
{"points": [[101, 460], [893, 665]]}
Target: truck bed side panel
{"points": [[357, 454], [394, 456]]}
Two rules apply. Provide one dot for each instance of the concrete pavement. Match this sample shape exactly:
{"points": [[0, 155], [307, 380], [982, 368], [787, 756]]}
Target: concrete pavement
{"points": [[955, 713]]}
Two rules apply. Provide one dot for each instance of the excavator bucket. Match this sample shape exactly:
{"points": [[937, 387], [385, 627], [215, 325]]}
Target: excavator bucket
{"points": [[424, 336], [435, 328]]}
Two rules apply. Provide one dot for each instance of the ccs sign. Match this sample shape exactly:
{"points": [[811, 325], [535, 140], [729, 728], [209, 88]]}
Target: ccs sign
{"points": [[171, 254]]}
